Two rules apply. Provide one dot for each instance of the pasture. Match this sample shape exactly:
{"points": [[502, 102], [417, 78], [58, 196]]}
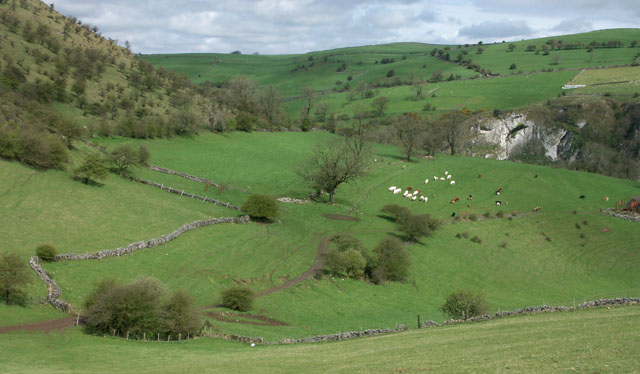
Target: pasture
{"points": [[600, 340], [514, 265]]}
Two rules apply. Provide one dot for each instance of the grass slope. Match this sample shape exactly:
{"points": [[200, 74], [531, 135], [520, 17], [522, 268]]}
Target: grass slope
{"points": [[515, 265], [600, 340]]}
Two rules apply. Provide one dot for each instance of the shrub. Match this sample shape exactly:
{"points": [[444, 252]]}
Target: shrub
{"points": [[143, 154], [14, 275], [486, 214], [473, 217], [397, 212], [238, 298], [416, 226], [46, 252], [500, 214], [476, 239], [348, 256], [139, 309], [261, 206], [464, 304], [92, 168], [245, 122], [391, 262], [122, 158]]}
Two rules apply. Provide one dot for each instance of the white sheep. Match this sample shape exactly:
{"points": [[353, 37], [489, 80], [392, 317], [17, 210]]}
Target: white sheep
{"points": [[449, 176], [452, 183], [392, 188], [421, 198], [435, 178], [414, 198], [426, 199], [441, 178], [446, 172], [415, 192], [397, 191], [426, 181]]}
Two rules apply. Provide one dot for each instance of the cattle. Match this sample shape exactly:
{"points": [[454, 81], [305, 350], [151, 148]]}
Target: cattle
{"points": [[455, 200]]}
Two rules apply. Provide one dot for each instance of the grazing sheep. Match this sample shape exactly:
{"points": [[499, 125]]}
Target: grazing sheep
{"points": [[426, 199], [468, 205], [470, 197], [435, 178], [446, 172], [392, 188], [449, 176], [441, 178], [414, 198], [537, 208], [452, 183], [397, 191], [498, 202], [426, 181]]}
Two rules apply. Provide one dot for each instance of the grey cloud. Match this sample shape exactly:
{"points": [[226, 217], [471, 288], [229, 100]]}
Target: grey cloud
{"points": [[496, 29], [573, 25]]}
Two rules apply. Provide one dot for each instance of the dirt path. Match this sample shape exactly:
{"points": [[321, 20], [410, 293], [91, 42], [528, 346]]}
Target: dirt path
{"points": [[46, 326], [340, 217]]}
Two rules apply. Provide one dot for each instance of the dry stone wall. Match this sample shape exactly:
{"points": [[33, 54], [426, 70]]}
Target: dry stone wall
{"points": [[193, 177], [540, 309], [54, 292], [186, 194]]}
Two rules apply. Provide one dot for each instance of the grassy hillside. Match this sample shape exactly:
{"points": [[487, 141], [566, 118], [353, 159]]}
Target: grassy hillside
{"points": [[602, 340], [515, 264], [322, 70]]}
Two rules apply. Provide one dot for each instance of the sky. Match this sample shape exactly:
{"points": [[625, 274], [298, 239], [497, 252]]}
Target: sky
{"points": [[299, 26]]}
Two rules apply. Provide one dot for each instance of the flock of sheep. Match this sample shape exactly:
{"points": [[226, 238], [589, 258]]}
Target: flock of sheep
{"points": [[414, 195]]}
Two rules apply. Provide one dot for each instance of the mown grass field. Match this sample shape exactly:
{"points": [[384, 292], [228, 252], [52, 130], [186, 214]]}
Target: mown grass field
{"points": [[515, 265], [592, 341]]}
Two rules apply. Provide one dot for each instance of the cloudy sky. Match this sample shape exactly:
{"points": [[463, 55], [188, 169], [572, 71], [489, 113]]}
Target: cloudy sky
{"points": [[298, 26]]}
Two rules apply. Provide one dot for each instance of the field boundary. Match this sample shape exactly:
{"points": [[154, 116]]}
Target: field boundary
{"points": [[54, 293], [183, 193], [194, 178]]}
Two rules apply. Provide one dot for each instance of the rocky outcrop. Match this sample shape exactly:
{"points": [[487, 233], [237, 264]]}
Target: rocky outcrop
{"points": [[511, 133]]}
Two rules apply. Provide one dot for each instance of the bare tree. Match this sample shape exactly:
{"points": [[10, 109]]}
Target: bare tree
{"points": [[309, 97], [271, 101], [337, 162], [409, 129], [417, 82], [455, 127]]}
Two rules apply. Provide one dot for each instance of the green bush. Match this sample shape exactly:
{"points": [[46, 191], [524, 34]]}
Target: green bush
{"points": [[238, 298], [463, 304], [416, 226], [141, 308], [391, 262], [347, 256], [397, 212], [46, 252], [261, 206], [14, 276]]}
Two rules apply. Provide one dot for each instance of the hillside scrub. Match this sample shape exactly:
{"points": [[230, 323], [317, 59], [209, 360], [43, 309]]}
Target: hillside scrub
{"points": [[238, 298], [347, 256], [140, 309], [46, 252], [415, 226], [390, 262], [261, 207], [14, 276], [463, 304]]}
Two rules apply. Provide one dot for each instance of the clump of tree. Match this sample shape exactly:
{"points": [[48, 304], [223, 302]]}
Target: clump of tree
{"points": [[396, 212], [390, 262], [93, 168], [263, 207], [14, 276], [46, 252], [463, 304], [415, 226], [347, 256], [238, 298], [141, 309], [124, 157]]}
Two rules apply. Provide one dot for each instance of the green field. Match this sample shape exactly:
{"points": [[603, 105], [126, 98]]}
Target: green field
{"points": [[593, 341], [514, 265]]}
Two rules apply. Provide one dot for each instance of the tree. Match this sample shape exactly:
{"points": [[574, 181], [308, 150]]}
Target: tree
{"points": [[347, 256], [261, 206], [271, 101], [417, 82], [335, 163], [409, 128], [14, 275], [380, 104], [309, 98], [92, 168], [122, 158], [391, 262], [46, 252], [464, 304], [398, 213], [432, 138], [511, 47], [416, 226], [238, 298], [512, 66], [455, 127]]}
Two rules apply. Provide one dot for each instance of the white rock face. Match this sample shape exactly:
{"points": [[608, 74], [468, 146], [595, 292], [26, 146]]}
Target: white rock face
{"points": [[514, 131]]}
